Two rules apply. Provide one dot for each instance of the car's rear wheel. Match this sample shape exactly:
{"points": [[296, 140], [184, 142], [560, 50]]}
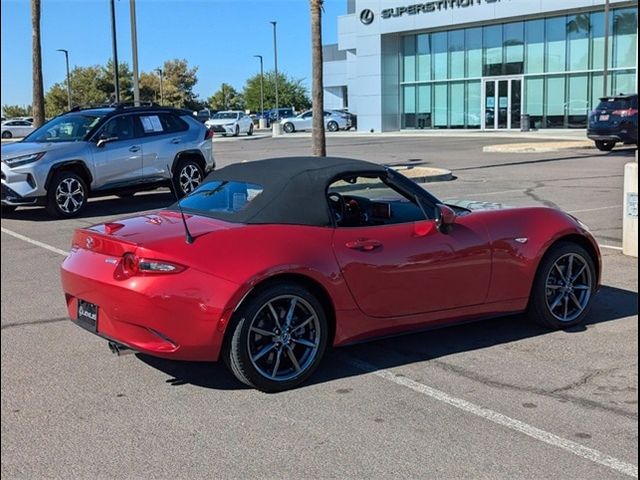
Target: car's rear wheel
{"points": [[67, 194], [237, 131], [288, 127], [564, 286], [332, 126], [250, 131], [278, 337], [605, 146], [6, 134], [187, 177]]}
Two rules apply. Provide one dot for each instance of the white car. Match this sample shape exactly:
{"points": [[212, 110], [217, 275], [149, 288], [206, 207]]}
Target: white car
{"points": [[232, 122], [16, 128], [333, 121]]}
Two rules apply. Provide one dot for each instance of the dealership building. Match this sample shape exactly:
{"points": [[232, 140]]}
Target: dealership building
{"points": [[479, 64]]}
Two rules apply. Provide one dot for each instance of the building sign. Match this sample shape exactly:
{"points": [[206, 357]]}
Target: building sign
{"points": [[419, 8], [632, 205]]}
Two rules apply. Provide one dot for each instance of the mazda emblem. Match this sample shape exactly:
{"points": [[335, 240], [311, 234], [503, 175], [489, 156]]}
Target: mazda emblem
{"points": [[366, 16]]}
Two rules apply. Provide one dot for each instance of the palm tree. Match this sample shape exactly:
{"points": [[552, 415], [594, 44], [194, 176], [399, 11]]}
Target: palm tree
{"points": [[36, 55], [317, 97]]}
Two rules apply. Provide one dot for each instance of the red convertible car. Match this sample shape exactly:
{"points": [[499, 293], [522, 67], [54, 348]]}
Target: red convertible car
{"points": [[268, 263]]}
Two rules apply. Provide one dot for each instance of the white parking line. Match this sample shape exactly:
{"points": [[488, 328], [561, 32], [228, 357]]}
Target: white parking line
{"points": [[34, 242], [595, 209], [611, 247], [500, 419]]}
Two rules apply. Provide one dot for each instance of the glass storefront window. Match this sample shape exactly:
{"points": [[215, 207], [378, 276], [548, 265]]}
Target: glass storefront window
{"points": [[535, 46], [578, 106], [440, 107], [625, 23], [514, 47], [409, 58], [578, 28], [473, 105], [456, 53], [424, 57], [473, 45], [625, 82], [555, 50], [456, 105], [439, 44], [533, 104], [597, 40], [554, 101], [492, 43], [423, 115], [409, 106]]}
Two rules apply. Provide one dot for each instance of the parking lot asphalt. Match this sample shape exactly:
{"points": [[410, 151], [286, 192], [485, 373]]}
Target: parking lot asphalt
{"points": [[501, 398]]}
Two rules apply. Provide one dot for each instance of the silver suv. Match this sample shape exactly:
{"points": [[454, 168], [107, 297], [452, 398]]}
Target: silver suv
{"points": [[105, 151]]}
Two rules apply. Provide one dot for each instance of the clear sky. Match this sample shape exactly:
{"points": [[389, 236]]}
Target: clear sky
{"points": [[219, 36]]}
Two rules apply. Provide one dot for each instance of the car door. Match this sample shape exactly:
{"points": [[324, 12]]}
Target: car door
{"points": [[396, 263], [306, 121], [117, 158], [163, 137]]}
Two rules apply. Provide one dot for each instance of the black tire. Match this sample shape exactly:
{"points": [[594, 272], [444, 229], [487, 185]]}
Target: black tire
{"points": [[605, 146], [6, 134], [549, 287], [237, 131], [187, 176], [250, 368], [67, 194], [7, 209], [333, 126], [289, 127], [250, 132]]}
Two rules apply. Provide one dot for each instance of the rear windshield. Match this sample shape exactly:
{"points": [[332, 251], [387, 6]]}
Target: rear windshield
{"points": [[227, 197], [614, 104]]}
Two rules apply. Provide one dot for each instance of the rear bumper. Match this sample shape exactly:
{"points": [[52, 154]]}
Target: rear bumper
{"points": [[179, 316], [626, 135]]}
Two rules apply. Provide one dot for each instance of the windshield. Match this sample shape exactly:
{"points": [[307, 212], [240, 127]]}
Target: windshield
{"points": [[614, 104], [226, 115], [67, 128], [227, 196]]}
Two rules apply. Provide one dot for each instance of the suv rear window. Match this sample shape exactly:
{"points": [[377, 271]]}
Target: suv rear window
{"points": [[159, 123], [614, 103], [227, 196]]}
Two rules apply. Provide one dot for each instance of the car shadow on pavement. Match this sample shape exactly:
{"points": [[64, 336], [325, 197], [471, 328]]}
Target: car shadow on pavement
{"points": [[100, 207], [610, 304]]}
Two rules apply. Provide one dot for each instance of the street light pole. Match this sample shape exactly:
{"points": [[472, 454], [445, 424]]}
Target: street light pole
{"points": [[261, 86], [115, 52], [159, 70], [275, 56], [605, 72], [134, 49], [66, 58]]}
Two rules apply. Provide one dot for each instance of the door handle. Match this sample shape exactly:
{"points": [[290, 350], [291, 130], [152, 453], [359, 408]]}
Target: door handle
{"points": [[175, 140], [364, 245], [135, 148]]}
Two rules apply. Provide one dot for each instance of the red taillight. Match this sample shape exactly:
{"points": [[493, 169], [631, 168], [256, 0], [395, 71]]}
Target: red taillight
{"points": [[625, 113], [208, 134], [132, 266]]}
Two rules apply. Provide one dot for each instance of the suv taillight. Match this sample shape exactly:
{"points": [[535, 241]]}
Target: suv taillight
{"points": [[625, 113], [208, 134], [133, 266]]}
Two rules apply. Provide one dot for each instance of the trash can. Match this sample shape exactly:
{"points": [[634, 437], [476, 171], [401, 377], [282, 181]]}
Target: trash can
{"points": [[525, 122], [276, 129]]}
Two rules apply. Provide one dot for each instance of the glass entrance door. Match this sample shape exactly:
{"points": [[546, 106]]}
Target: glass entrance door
{"points": [[501, 103]]}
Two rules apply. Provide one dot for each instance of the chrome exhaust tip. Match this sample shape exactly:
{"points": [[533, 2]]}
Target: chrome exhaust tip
{"points": [[118, 349]]}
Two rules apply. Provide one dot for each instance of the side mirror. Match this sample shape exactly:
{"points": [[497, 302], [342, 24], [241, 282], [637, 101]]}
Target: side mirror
{"points": [[103, 140], [445, 218]]}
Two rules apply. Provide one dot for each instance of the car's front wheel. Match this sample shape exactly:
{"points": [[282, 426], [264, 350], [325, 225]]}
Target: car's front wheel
{"points": [[187, 177], [250, 131], [236, 131], [67, 195], [564, 287], [277, 338], [605, 146], [288, 127]]}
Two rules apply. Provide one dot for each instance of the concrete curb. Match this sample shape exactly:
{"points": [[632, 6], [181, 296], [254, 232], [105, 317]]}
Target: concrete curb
{"points": [[538, 147]]}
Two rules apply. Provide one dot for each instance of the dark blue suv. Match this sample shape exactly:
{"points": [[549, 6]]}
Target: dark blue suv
{"points": [[615, 119]]}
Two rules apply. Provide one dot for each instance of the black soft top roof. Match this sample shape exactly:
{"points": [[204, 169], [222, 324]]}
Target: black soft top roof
{"points": [[294, 188]]}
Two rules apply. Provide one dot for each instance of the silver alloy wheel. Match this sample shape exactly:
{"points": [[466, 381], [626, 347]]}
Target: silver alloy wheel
{"points": [[568, 287], [284, 338], [190, 178], [70, 195]]}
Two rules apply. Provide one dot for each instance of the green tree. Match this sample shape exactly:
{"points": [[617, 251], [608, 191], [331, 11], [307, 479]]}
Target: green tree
{"points": [[226, 98], [291, 92], [92, 85], [11, 111], [178, 82]]}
